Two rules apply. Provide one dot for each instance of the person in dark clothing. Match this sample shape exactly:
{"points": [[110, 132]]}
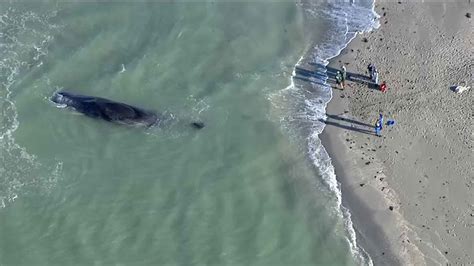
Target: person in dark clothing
{"points": [[371, 69]]}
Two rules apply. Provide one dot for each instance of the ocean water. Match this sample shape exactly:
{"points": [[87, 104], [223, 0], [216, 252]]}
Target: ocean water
{"points": [[254, 187]]}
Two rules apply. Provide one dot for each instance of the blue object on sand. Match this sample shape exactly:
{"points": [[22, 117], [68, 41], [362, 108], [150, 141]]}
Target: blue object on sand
{"points": [[390, 122]]}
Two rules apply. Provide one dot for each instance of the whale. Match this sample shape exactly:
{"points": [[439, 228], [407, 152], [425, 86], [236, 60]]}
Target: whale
{"points": [[108, 110]]}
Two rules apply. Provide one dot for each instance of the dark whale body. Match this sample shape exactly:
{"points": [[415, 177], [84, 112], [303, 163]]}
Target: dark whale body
{"points": [[105, 109], [111, 111]]}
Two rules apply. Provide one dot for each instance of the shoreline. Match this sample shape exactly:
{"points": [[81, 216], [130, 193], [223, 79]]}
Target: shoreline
{"points": [[312, 62], [373, 178]]}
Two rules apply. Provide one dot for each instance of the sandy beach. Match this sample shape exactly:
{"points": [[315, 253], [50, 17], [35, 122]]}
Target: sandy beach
{"points": [[410, 191]]}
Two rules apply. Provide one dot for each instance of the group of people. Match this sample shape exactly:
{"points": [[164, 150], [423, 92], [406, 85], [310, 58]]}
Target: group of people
{"points": [[373, 73], [341, 76], [374, 77]]}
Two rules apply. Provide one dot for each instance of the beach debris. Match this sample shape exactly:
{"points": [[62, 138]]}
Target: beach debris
{"points": [[367, 163], [383, 86], [390, 208], [460, 89], [468, 15], [365, 40], [362, 184]]}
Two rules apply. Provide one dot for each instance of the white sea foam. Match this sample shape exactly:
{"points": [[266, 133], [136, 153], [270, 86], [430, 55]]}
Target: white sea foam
{"points": [[351, 20], [19, 169], [123, 69]]}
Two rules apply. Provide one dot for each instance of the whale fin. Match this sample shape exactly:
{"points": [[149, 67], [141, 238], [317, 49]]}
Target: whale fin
{"points": [[197, 125]]}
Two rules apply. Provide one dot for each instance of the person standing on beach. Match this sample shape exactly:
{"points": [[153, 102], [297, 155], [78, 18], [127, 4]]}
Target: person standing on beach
{"points": [[371, 69], [376, 77], [381, 120], [339, 79], [344, 75], [378, 128]]}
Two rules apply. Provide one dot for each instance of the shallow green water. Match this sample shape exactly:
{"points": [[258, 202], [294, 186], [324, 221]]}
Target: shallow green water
{"points": [[81, 191]]}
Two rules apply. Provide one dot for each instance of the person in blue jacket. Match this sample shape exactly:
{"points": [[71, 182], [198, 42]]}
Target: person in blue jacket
{"points": [[378, 129]]}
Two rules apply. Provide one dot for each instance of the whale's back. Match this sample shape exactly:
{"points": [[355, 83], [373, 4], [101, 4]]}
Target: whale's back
{"points": [[122, 113]]}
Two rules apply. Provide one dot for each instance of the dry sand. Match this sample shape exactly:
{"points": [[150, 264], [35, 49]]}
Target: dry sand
{"points": [[411, 191]]}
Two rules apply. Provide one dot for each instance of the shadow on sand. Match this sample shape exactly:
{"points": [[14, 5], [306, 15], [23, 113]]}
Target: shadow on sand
{"points": [[338, 121], [322, 74], [320, 71], [351, 121]]}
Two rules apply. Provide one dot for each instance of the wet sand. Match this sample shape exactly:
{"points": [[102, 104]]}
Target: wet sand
{"points": [[410, 191]]}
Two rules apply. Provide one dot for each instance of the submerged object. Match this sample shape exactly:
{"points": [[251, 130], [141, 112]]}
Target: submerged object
{"points": [[197, 125]]}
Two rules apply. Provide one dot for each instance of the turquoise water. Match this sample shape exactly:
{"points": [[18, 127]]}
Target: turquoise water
{"points": [[241, 191]]}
